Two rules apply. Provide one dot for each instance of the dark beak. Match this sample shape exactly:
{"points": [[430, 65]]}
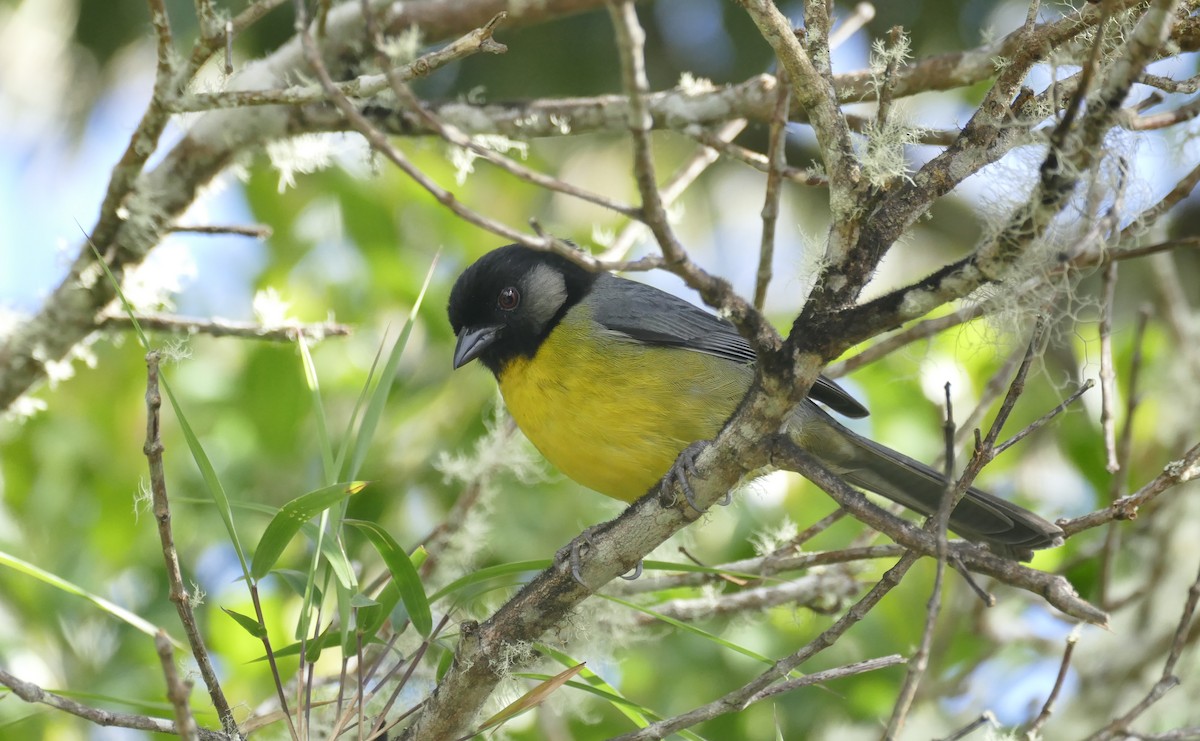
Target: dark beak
{"points": [[472, 341]]}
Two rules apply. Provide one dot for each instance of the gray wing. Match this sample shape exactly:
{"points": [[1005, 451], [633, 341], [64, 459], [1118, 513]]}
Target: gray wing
{"points": [[646, 314]]}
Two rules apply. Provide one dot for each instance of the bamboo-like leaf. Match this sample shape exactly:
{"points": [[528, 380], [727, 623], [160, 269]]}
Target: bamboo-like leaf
{"points": [[691, 629], [125, 305], [327, 639], [378, 398], [640, 716], [291, 517], [404, 574], [314, 386], [489, 573], [371, 618], [295, 579], [249, 624], [24, 567], [531, 699], [216, 490]]}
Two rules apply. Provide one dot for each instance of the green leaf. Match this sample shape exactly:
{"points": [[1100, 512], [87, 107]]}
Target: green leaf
{"points": [[24, 567], [338, 561], [491, 572], [326, 640], [404, 574], [249, 624], [640, 716], [296, 580], [291, 517], [360, 600], [314, 385], [216, 491], [691, 629], [378, 398], [313, 648], [532, 698], [370, 619], [125, 305]]}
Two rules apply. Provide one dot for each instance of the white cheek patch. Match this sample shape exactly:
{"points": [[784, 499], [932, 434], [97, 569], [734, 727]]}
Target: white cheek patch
{"points": [[545, 293]]}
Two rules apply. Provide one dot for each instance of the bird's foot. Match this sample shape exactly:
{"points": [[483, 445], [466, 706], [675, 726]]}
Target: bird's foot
{"points": [[681, 472], [572, 553]]}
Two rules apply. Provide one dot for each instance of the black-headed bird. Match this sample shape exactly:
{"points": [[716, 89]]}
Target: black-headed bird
{"points": [[612, 379]]}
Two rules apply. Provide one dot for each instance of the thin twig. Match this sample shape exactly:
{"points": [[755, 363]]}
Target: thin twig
{"points": [[811, 532], [363, 86], [162, 515], [985, 719], [228, 47], [742, 696], [887, 86], [762, 567], [927, 328], [1055, 589], [919, 662], [258, 231], [995, 386], [1167, 680], [923, 329], [1131, 253], [215, 36], [380, 143], [177, 689], [1045, 418], [1119, 485], [777, 159], [631, 40], [1108, 374], [828, 675], [1126, 508], [818, 592], [481, 40], [757, 160], [382, 721], [225, 327], [32, 693], [862, 15], [1035, 728], [987, 598], [987, 452], [680, 181]]}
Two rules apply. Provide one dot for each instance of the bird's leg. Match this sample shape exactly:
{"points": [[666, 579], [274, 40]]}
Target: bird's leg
{"points": [[681, 472]]}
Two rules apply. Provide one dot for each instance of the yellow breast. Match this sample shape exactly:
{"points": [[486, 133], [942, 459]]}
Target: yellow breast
{"points": [[613, 415]]}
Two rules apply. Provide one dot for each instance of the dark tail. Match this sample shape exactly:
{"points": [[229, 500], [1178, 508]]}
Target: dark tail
{"points": [[1007, 529]]}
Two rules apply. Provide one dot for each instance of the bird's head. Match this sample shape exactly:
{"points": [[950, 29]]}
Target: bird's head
{"points": [[509, 300]]}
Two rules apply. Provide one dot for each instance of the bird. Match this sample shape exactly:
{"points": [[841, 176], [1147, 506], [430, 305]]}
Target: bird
{"points": [[611, 379]]}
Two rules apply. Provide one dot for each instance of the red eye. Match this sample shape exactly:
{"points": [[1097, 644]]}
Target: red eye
{"points": [[509, 298]]}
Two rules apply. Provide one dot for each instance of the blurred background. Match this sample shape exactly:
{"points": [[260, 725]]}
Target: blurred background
{"points": [[352, 240]]}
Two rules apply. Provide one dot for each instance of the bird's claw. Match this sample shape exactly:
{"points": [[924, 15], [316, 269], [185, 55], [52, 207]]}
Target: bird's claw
{"points": [[681, 472], [572, 553]]}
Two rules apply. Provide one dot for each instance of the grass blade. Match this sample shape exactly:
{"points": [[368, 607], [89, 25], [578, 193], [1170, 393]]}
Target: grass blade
{"points": [[24, 567], [489, 573], [691, 629], [531, 699], [378, 398]]}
